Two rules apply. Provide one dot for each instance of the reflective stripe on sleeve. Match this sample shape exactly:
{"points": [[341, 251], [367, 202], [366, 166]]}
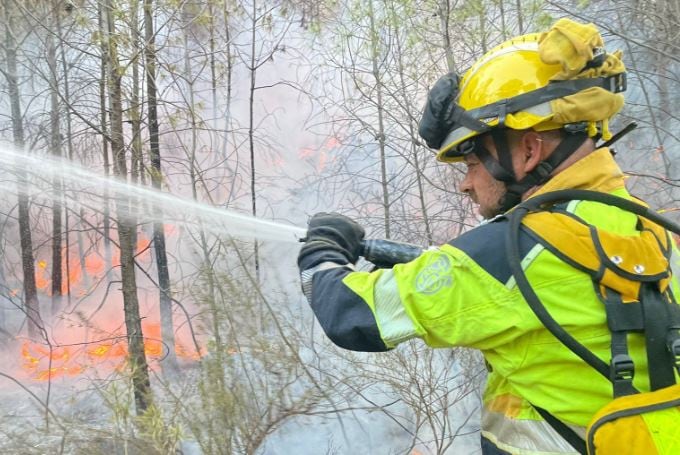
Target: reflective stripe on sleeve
{"points": [[395, 324], [306, 276]]}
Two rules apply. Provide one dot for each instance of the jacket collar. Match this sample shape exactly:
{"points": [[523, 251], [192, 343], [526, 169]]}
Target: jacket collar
{"points": [[596, 171]]}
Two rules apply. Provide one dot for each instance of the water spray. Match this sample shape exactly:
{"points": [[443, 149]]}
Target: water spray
{"points": [[382, 253], [218, 220]]}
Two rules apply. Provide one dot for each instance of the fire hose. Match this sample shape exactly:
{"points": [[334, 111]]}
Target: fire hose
{"points": [[387, 253]]}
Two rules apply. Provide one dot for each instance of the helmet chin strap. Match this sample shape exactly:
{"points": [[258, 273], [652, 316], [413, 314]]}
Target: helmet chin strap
{"points": [[501, 169]]}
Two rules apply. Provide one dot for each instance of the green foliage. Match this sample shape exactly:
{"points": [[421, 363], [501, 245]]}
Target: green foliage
{"points": [[544, 20], [315, 28], [173, 119], [155, 174], [163, 437], [119, 401]]}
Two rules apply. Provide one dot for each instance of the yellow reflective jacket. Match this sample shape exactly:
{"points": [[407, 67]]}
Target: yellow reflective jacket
{"points": [[463, 294]]}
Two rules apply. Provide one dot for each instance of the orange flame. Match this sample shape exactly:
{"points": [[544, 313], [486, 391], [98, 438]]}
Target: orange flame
{"points": [[42, 363], [94, 265]]}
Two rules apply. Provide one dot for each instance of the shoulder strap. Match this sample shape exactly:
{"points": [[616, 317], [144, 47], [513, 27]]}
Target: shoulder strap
{"points": [[534, 302], [536, 202]]}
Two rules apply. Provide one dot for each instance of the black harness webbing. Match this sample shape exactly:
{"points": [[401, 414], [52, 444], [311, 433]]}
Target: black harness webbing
{"points": [[657, 316], [661, 321], [621, 319], [534, 302], [563, 430], [541, 173]]}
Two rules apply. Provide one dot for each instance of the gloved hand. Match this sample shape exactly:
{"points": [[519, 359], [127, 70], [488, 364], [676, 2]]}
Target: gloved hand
{"points": [[331, 237]]}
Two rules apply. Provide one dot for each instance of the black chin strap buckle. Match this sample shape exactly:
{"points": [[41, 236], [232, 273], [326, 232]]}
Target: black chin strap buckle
{"points": [[578, 127], [538, 176], [542, 172]]}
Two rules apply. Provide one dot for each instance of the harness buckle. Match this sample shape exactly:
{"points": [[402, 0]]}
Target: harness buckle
{"points": [[575, 128], [674, 347], [543, 170], [622, 369], [617, 83]]}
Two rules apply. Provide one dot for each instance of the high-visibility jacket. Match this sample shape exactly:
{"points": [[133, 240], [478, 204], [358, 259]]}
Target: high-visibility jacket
{"points": [[463, 294]]}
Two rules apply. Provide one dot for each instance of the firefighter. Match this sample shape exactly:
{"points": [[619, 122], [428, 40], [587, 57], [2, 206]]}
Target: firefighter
{"points": [[524, 120]]}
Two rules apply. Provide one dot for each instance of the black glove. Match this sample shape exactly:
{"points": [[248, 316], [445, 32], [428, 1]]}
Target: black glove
{"points": [[331, 237]]}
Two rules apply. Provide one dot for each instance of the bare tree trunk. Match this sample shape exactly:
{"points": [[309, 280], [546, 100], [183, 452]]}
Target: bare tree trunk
{"points": [[169, 364], [251, 127], [126, 227], [411, 126], [381, 123], [108, 261], [31, 303], [482, 26], [227, 113], [444, 7], [55, 146], [520, 19], [213, 53], [69, 148], [504, 27], [136, 165]]}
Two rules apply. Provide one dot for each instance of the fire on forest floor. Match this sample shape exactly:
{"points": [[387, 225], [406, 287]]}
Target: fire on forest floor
{"points": [[43, 362]]}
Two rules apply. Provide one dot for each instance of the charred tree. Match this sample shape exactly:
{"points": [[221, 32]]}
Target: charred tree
{"points": [[55, 148], [69, 148], [126, 225], [31, 303], [167, 326], [103, 120]]}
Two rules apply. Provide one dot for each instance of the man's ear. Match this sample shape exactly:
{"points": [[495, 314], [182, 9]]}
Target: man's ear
{"points": [[533, 150]]}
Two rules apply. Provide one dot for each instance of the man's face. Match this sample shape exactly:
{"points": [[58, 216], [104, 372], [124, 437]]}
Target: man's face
{"points": [[479, 184], [482, 188]]}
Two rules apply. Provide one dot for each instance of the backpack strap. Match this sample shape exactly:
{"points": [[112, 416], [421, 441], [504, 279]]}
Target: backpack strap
{"points": [[660, 358], [513, 255], [621, 319]]}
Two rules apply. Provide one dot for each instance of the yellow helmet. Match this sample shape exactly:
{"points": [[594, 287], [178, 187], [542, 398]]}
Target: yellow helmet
{"points": [[542, 81]]}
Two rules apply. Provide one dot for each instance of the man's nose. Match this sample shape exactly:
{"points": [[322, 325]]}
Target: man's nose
{"points": [[465, 185]]}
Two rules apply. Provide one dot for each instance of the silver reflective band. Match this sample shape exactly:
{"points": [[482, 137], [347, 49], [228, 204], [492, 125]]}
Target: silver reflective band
{"points": [[455, 136], [394, 323], [306, 276], [459, 133]]}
